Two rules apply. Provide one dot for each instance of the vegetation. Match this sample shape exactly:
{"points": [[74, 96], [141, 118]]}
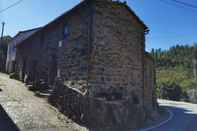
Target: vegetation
{"points": [[176, 72], [14, 76]]}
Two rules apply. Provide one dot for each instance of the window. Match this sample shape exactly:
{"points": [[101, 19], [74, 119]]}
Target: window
{"points": [[60, 43], [14, 48], [66, 30], [58, 73]]}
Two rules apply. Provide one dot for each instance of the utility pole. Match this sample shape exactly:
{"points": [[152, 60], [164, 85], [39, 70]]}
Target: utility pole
{"points": [[2, 57], [2, 32]]}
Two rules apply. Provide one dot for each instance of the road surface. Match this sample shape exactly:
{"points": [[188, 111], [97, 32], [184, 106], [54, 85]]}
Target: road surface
{"points": [[184, 117]]}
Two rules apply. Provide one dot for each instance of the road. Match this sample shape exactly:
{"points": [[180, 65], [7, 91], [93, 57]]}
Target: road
{"points": [[184, 116]]}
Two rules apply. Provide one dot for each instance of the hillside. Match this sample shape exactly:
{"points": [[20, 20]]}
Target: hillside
{"points": [[176, 72]]}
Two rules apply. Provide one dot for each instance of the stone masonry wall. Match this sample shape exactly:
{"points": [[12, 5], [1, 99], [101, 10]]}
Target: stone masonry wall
{"points": [[149, 82], [96, 54], [94, 113], [150, 98], [101, 66], [50, 39], [66, 54], [28, 57], [73, 53], [117, 54]]}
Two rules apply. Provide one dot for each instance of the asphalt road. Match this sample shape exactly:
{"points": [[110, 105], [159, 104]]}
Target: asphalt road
{"points": [[184, 117], [6, 124]]}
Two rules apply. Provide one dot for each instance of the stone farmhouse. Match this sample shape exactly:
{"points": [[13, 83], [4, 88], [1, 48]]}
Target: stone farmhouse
{"points": [[93, 57]]}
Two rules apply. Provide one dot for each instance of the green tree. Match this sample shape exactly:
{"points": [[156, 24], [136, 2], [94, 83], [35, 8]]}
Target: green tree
{"points": [[175, 68]]}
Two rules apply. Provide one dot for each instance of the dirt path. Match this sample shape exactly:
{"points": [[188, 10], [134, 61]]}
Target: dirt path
{"points": [[30, 112]]}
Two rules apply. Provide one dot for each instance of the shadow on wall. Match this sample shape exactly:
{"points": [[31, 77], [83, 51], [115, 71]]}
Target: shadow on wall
{"points": [[6, 124]]}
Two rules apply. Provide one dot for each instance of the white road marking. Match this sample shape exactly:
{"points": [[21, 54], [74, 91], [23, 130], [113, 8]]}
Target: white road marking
{"points": [[171, 115]]}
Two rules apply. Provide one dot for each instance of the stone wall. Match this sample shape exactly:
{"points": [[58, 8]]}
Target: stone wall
{"points": [[102, 60], [73, 53], [59, 52], [69, 50], [117, 54], [97, 53], [149, 82], [50, 38], [28, 58], [150, 99], [96, 113]]}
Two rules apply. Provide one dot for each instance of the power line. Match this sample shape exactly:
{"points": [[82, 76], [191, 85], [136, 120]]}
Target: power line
{"points": [[185, 4], [181, 3], [12, 5]]}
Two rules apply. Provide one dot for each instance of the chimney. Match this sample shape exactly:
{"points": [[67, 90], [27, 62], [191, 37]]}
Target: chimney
{"points": [[101, 0], [105, 0]]}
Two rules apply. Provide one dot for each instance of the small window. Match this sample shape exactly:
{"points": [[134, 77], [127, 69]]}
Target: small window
{"points": [[58, 73], [66, 30], [60, 43], [13, 48]]}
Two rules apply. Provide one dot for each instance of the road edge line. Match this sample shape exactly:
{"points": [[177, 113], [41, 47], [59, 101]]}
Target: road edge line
{"points": [[160, 124]]}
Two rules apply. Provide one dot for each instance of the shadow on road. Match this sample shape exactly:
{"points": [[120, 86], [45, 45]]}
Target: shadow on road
{"points": [[184, 119], [6, 124]]}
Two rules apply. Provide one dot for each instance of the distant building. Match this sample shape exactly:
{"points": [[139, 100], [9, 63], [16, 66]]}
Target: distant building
{"points": [[11, 53], [94, 56]]}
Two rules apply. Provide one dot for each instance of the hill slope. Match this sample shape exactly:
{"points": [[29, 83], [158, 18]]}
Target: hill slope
{"points": [[176, 72]]}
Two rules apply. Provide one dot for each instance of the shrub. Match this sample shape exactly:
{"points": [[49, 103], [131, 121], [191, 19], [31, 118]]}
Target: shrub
{"points": [[14, 76], [171, 92]]}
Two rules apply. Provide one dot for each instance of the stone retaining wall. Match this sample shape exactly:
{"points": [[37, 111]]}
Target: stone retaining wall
{"points": [[94, 112]]}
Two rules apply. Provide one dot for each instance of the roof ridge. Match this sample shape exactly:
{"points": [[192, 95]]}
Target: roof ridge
{"points": [[37, 28]]}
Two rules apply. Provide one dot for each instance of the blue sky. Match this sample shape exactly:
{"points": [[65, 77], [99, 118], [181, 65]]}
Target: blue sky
{"points": [[169, 23]]}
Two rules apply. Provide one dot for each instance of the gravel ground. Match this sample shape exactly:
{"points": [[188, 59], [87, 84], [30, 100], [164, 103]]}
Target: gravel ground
{"points": [[29, 112]]}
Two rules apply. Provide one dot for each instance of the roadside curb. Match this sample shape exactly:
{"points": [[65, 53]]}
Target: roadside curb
{"points": [[160, 124]]}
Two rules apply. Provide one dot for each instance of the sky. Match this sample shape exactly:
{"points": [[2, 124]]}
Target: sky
{"points": [[169, 23]]}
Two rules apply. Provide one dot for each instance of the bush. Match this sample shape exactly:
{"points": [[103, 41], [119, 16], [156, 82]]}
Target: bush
{"points": [[171, 92], [192, 95], [14, 76]]}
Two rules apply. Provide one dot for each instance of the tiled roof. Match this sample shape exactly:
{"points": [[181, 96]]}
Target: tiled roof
{"points": [[23, 35], [84, 2]]}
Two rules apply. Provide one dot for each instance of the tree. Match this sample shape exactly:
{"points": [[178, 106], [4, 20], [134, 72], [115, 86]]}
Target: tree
{"points": [[176, 69], [171, 92], [195, 62]]}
